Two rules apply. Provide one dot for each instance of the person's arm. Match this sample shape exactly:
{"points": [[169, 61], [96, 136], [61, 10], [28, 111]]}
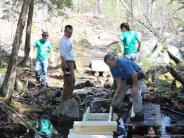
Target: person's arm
{"points": [[139, 45], [63, 63], [118, 84], [134, 83], [62, 55], [113, 42], [50, 48]]}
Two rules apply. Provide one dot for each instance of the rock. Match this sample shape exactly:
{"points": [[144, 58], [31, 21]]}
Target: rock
{"points": [[146, 47], [175, 51], [19, 85], [82, 83], [7, 51], [2, 75], [68, 108]]}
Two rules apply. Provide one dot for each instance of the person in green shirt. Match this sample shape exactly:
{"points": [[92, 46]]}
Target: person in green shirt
{"points": [[43, 47], [129, 39]]}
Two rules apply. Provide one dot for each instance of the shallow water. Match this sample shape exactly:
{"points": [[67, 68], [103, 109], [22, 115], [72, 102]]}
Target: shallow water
{"points": [[169, 118]]}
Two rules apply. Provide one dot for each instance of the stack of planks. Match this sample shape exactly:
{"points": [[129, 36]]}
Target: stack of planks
{"points": [[94, 125]]}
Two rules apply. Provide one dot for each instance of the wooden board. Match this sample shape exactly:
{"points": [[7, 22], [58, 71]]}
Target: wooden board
{"points": [[99, 65], [95, 123], [89, 136], [152, 117], [95, 127], [91, 132], [101, 117]]}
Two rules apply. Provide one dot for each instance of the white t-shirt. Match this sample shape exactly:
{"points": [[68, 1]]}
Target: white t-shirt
{"points": [[66, 48]]}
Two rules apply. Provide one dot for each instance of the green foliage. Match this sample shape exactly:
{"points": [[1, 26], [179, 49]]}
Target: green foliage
{"points": [[15, 105], [60, 4], [116, 50], [2, 70], [84, 42], [34, 110], [109, 6], [31, 122], [87, 5], [164, 86], [147, 64]]}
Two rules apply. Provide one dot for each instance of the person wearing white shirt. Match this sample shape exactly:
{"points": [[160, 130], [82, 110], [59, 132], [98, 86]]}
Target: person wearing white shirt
{"points": [[67, 62]]}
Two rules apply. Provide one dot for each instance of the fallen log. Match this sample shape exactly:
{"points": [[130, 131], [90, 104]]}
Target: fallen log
{"points": [[174, 58], [176, 75]]}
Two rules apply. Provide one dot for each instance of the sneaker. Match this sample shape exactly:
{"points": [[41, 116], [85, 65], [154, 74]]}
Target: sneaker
{"points": [[138, 117]]}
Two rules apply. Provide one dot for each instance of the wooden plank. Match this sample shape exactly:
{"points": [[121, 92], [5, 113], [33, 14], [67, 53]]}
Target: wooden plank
{"points": [[101, 117], [95, 123], [98, 117], [97, 131], [86, 115], [110, 114], [89, 136], [99, 65], [95, 127], [77, 132], [93, 131], [152, 117]]}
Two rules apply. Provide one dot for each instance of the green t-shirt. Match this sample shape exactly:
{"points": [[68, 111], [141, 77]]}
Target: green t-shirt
{"points": [[43, 48], [129, 39]]}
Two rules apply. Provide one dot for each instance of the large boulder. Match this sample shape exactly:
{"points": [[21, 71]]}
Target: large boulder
{"points": [[175, 51], [67, 108]]}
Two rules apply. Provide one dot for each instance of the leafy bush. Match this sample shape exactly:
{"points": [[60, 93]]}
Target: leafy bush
{"points": [[116, 50], [164, 86], [84, 42]]}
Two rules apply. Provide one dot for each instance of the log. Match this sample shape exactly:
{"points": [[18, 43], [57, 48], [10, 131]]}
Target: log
{"points": [[176, 75], [175, 59]]}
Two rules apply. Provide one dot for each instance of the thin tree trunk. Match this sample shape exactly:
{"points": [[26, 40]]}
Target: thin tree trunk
{"points": [[27, 46], [132, 12], [8, 84], [76, 5], [117, 8], [100, 7]]}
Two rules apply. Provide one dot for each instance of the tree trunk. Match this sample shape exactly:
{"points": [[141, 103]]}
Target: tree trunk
{"points": [[132, 12], [117, 9], [8, 84], [100, 7], [27, 46]]}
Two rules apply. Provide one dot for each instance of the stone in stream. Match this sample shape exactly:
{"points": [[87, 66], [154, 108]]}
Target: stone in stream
{"points": [[68, 108]]}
